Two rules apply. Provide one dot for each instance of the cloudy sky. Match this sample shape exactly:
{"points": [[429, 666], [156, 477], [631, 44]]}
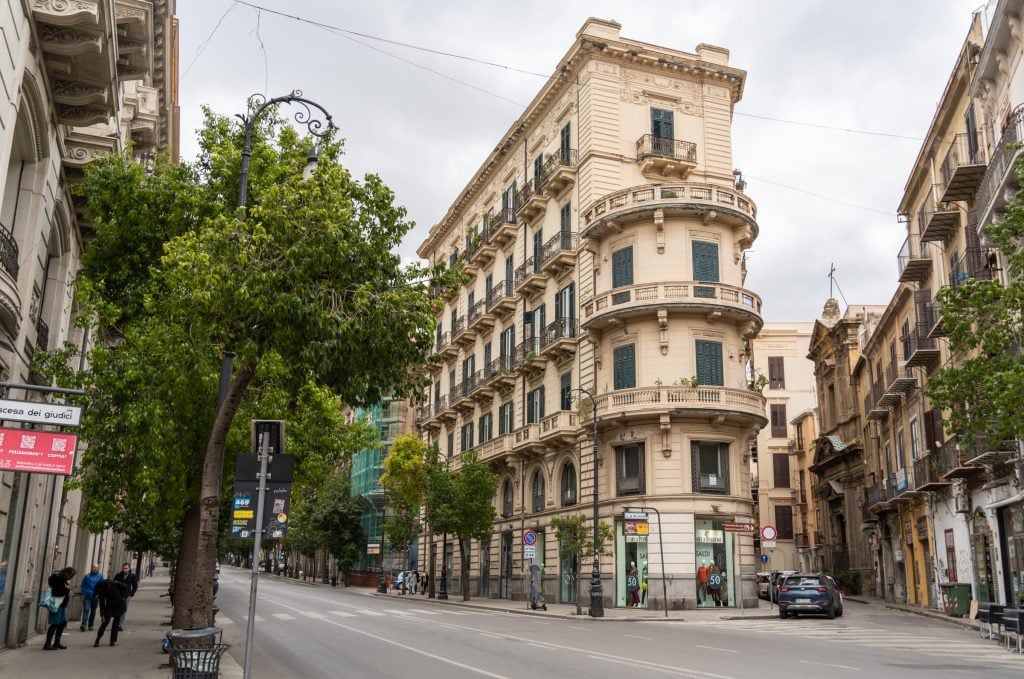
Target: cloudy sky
{"points": [[425, 122]]}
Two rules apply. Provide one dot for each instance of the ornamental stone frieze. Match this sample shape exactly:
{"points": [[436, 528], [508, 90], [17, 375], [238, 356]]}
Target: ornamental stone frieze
{"points": [[80, 116], [78, 93], [81, 13]]}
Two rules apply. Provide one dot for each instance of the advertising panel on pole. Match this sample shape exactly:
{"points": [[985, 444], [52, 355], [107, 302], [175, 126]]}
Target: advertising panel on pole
{"points": [[373, 548], [636, 531], [38, 452], [275, 511], [40, 413]]}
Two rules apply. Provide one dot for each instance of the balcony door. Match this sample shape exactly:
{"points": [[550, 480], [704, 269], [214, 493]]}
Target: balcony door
{"points": [[662, 131], [709, 363], [505, 582]]}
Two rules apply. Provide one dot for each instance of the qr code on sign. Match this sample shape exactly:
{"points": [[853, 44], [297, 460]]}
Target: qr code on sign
{"points": [[59, 446]]}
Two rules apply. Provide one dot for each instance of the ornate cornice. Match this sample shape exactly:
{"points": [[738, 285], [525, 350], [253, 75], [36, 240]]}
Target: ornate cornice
{"points": [[67, 12], [80, 116], [78, 93], [68, 41]]}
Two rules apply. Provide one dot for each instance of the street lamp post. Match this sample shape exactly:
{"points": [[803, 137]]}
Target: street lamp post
{"points": [[596, 590], [382, 585]]}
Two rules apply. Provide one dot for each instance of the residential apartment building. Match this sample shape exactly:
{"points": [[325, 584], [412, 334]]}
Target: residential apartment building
{"points": [[839, 449], [82, 79], [806, 517], [943, 511], [780, 358], [603, 239]]}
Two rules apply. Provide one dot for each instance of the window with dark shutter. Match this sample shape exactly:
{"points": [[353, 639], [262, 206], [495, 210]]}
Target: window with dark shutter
{"points": [[565, 142], [622, 267], [451, 444], [538, 249], [538, 169], [565, 391], [538, 491], [630, 470], [778, 416], [780, 467], [784, 522], [662, 123], [565, 220], [705, 261], [710, 467], [624, 366], [776, 372], [506, 498], [568, 486], [709, 363]]}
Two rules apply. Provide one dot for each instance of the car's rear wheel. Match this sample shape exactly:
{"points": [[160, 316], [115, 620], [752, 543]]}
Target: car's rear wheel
{"points": [[783, 614], [830, 614], [839, 613]]}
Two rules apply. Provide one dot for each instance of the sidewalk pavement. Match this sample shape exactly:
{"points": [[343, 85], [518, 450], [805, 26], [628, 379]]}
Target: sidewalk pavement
{"points": [[941, 616], [137, 655]]}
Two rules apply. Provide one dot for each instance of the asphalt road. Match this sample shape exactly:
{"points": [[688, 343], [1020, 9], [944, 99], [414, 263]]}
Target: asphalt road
{"points": [[312, 632]]}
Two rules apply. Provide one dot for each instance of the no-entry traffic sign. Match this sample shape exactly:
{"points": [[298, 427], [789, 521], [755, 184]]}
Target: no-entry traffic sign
{"points": [[768, 532]]}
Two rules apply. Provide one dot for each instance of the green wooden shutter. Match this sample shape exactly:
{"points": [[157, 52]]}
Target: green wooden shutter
{"points": [[624, 366], [538, 170], [565, 143], [705, 261], [709, 363], [622, 267], [661, 123]]}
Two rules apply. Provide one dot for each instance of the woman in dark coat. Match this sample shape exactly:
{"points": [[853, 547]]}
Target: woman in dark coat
{"points": [[60, 588], [111, 595]]}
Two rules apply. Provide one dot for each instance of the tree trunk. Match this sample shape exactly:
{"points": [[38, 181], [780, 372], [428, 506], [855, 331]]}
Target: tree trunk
{"points": [[464, 567], [431, 592], [196, 589], [576, 578], [324, 574], [185, 566]]}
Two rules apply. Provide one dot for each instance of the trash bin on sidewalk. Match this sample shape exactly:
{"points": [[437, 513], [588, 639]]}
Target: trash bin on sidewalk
{"points": [[956, 598], [197, 663]]}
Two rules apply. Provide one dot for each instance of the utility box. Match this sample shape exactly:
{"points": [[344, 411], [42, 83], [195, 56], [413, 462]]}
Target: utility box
{"points": [[956, 597]]}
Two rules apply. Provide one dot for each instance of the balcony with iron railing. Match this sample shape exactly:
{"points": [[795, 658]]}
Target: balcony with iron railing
{"points": [[443, 346], [42, 335], [638, 202], [929, 473], [502, 372], [918, 348], [461, 333], [730, 301], [10, 309], [906, 488], [501, 298], [975, 264], [914, 260], [899, 380], [662, 157], [558, 340], [477, 318], [964, 167], [559, 253], [873, 406], [939, 219], [485, 250], [986, 451], [502, 224], [532, 202], [803, 540], [530, 279], [740, 403], [559, 171], [1001, 172]]}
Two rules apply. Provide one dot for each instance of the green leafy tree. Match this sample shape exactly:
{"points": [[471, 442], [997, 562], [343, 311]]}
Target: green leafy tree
{"points": [[404, 475], [329, 522], [307, 291], [461, 503], [984, 321], [576, 537]]}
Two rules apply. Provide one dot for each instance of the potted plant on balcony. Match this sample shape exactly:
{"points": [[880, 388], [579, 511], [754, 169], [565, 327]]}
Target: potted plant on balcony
{"points": [[757, 384]]}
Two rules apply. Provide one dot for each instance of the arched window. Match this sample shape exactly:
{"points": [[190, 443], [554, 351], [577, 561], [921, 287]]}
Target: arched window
{"points": [[538, 491], [506, 498], [568, 484]]}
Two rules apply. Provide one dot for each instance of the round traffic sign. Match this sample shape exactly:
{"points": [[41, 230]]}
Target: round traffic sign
{"points": [[768, 532], [764, 558], [529, 538]]}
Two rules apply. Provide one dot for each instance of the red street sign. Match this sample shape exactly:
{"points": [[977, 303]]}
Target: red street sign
{"points": [[44, 452], [738, 527]]}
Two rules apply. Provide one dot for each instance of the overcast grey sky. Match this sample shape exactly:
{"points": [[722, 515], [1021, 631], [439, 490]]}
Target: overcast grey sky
{"points": [[872, 65]]}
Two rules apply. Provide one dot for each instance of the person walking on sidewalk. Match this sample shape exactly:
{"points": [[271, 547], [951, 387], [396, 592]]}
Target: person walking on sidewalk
{"points": [[60, 588], [131, 582], [88, 587], [112, 596]]}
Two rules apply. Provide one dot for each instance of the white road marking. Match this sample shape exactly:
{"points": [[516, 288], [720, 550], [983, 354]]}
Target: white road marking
{"points": [[491, 636], [224, 620], [396, 611], [585, 629], [828, 664], [283, 616], [637, 636], [716, 648], [343, 614], [314, 615]]}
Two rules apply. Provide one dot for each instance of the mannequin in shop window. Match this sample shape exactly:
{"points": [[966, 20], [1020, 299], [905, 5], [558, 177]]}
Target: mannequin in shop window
{"points": [[702, 582], [633, 584], [643, 584]]}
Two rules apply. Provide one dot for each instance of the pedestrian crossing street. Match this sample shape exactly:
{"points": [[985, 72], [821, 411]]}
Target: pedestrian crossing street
{"points": [[963, 645]]}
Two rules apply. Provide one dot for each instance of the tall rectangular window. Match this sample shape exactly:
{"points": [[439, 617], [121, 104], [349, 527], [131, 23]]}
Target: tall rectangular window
{"points": [[709, 363], [505, 418], [565, 142], [565, 302], [506, 346], [565, 221], [629, 470], [538, 170], [508, 204], [622, 267], [705, 261], [510, 275], [451, 444], [565, 391], [915, 441], [778, 415], [486, 430], [467, 436], [950, 556], [776, 372], [710, 467], [784, 521], [538, 249], [535, 406], [624, 366], [487, 359], [662, 124], [780, 470]]}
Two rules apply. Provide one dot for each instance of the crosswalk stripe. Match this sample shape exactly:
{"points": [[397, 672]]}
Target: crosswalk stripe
{"points": [[343, 614], [224, 620], [283, 616], [397, 611], [314, 615]]}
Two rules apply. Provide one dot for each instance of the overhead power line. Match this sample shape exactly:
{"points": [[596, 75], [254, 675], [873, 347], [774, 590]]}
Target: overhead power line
{"points": [[818, 195]]}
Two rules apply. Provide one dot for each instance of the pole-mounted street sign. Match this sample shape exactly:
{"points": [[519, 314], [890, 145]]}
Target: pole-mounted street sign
{"points": [[40, 413]]}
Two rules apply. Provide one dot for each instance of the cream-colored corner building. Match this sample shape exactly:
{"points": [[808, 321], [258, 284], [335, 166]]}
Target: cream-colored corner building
{"points": [[780, 357], [604, 241], [80, 79]]}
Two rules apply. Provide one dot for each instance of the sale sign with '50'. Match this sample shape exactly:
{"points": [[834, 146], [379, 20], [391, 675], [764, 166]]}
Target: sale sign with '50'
{"points": [[41, 452]]}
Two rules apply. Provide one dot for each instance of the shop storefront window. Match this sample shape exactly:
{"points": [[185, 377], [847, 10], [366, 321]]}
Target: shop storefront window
{"points": [[714, 564], [631, 564]]}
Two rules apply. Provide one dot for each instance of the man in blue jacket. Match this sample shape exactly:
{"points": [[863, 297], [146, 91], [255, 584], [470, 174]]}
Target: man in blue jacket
{"points": [[89, 582]]}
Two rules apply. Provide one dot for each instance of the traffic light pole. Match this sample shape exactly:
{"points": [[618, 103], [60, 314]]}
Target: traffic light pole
{"points": [[264, 453]]}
